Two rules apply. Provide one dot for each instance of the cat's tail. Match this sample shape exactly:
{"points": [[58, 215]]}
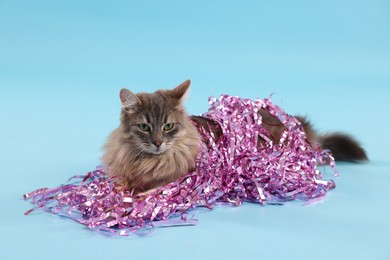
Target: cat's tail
{"points": [[343, 146]]}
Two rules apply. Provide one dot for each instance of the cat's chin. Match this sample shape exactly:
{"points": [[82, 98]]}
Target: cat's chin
{"points": [[156, 152]]}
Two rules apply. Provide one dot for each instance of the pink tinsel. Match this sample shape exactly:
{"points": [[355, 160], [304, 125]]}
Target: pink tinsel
{"points": [[233, 170]]}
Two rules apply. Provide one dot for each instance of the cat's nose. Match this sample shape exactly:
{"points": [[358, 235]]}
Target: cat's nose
{"points": [[157, 143]]}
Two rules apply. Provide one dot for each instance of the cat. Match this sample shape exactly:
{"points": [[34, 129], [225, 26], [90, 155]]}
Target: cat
{"points": [[157, 142]]}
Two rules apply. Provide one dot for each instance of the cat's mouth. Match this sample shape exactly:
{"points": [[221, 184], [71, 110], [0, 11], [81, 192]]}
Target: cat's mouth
{"points": [[153, 149]]}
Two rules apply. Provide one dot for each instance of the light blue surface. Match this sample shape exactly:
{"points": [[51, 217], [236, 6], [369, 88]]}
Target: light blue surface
{"points": [[62, 64]]}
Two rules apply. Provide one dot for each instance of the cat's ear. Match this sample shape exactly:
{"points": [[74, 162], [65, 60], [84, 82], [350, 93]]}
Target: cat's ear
{"points": [[129, 100], [180, 91]]}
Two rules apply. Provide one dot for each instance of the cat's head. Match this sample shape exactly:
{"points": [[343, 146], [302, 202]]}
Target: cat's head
{"points": [[155, 122]]}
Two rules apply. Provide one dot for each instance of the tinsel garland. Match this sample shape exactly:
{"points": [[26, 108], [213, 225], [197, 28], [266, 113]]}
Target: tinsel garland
{"points": [[232, 170]]}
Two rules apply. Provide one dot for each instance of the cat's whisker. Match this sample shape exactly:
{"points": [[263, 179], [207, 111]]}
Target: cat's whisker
{"points": [[180, 152], [140, 152]]}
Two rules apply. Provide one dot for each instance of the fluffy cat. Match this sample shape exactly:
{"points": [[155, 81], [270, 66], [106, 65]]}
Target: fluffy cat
{"points": [[157, 142]]}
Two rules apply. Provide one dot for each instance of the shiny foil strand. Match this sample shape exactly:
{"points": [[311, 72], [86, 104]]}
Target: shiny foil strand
{"points": [[231, 171]]}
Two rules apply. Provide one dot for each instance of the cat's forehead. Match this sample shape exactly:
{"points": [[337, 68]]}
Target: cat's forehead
{"points": [[158, 101], [156, 106]]}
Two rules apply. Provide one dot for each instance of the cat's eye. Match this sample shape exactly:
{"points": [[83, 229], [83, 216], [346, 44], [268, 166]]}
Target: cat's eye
{"points": [[144, 127], [168, 126]]}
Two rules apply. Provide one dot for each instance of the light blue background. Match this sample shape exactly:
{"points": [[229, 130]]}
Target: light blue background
{"points": [[62, 64]]}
